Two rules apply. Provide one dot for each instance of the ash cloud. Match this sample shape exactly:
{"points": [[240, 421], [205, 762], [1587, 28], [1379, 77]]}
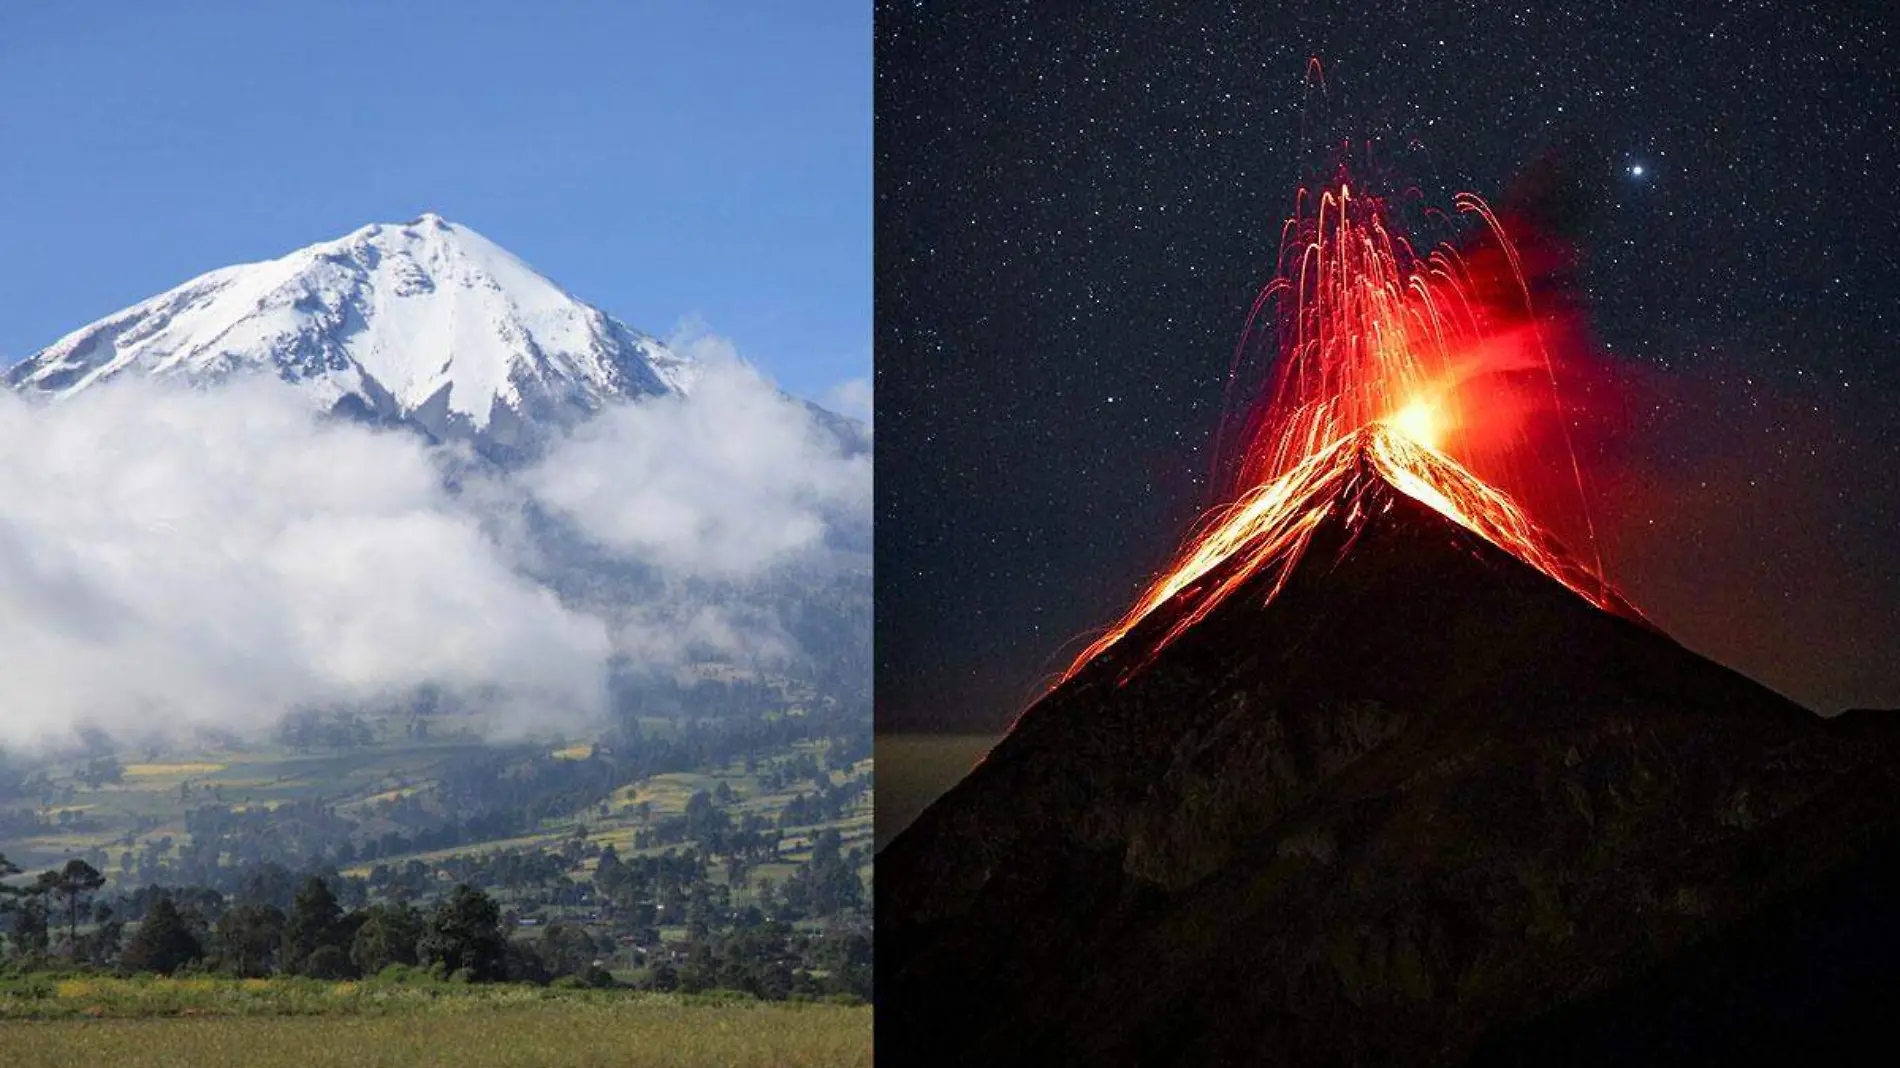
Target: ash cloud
{"points": [[176, 558]]}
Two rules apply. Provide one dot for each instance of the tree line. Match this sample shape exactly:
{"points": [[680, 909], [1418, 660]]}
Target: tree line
{"points": [[461, 936], [55, 919]]}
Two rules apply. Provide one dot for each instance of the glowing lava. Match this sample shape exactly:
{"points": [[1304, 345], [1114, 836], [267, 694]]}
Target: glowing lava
{"points": [[1387, 364], [1420, 421]]}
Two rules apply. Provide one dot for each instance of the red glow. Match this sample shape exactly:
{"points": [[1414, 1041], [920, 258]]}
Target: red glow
{"points": [[1431, 365]]}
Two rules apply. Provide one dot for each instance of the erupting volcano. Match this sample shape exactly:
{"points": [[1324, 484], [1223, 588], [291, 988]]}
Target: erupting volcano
{"points": [[1378, 771], [1388, 359]]}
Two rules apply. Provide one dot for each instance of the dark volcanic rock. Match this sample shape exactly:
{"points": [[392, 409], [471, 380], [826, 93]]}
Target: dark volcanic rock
{"points": [[1426, 804]]}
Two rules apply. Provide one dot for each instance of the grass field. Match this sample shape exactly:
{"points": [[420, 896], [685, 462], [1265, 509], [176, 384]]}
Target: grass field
{"points": [[263, 1023]]}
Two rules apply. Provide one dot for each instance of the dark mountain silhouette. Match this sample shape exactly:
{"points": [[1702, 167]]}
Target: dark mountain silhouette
{"points": [[1425, 805]]}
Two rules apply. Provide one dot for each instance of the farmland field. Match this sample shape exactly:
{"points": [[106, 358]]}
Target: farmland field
{"points": [[150, 802], [692, 858]]}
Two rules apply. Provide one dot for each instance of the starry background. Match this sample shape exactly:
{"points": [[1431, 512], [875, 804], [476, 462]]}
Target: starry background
{"points": [[1076, 203]]}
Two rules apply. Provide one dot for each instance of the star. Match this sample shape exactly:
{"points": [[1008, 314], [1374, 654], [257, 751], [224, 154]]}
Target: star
{"points": [[1052, 227]]}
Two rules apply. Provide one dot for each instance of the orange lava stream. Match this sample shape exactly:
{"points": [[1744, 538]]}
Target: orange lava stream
{"points": [[1383, 356]]}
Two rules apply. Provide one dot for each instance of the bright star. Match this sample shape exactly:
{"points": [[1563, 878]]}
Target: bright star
{"points": [[1636, 170]]}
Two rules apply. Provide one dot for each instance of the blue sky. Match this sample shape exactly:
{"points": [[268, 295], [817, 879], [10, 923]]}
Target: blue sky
{"points": [[666, 161]]}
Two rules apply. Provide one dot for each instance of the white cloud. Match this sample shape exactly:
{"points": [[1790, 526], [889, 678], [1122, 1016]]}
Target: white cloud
{"points": [[722, 484], [851, 397], [173, 557], [672, 632]]}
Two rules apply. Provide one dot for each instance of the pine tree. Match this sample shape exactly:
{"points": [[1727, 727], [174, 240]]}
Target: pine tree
{"points": [[73, 884], [388, 936], [316, 922], [29, 924], [163, 943], [465, 932], [8, 892], [251, 937]]}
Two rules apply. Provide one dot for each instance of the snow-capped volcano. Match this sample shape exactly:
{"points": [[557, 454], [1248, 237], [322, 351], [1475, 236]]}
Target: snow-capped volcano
{"points": [[425, 322]]}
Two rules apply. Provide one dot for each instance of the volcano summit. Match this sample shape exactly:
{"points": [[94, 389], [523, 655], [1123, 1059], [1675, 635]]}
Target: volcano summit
{"points": [[426, 323], [1409, 799]]}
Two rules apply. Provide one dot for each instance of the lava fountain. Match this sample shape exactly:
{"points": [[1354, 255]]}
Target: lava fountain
{"points": [[1407, 363]]}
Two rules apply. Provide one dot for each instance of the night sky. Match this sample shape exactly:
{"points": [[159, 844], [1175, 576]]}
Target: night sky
{"points": [[1073, 214]]}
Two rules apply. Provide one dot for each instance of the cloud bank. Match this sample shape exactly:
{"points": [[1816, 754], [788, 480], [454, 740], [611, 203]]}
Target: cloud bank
{"points": [[721, 484], [174, 558]]}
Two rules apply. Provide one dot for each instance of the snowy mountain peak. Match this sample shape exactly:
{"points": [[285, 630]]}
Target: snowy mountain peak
{"points": [[425, 322]]}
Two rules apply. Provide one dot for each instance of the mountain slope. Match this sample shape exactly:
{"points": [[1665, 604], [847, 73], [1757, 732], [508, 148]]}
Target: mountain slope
{"points": [[426, 322], [1414, 800]]}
